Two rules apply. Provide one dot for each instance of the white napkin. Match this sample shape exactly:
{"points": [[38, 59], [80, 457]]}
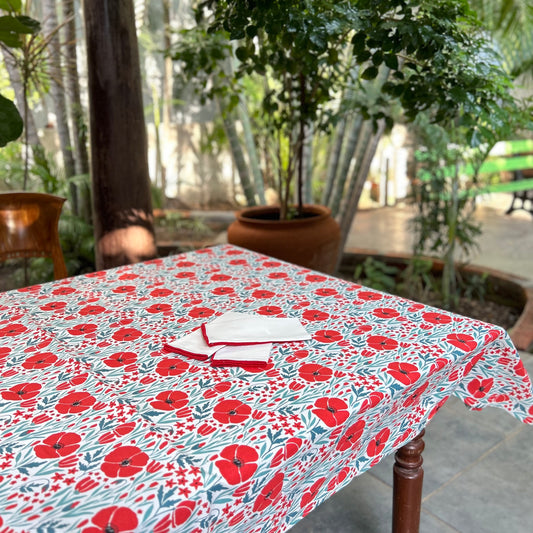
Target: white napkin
{"points": [[237, 329], [192, 345], [252, 356]]}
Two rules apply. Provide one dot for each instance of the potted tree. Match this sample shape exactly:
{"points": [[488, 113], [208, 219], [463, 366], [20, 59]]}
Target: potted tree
{"points": [[321, 62]]}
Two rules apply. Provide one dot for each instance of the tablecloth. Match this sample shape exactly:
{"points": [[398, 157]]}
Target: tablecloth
{"points": [[101, 428]]}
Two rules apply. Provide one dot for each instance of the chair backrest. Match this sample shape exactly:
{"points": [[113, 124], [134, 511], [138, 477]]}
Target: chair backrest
{"points": [[29, 227]]}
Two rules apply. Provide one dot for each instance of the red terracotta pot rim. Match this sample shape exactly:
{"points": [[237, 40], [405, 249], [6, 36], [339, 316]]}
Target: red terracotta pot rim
{"points": [[251, 215]]}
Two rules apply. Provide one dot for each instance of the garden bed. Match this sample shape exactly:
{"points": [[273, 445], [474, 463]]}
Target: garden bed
{"points": [[507, 301]]}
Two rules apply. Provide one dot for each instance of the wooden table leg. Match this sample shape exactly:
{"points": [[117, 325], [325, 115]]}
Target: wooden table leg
{"points": [[407, 487]]}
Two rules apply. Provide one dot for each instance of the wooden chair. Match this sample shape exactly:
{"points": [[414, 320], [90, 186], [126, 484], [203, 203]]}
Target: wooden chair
{"points": [[29, 228]]}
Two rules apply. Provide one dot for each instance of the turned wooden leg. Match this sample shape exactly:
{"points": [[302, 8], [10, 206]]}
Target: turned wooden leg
{"points": [[407, 487]]}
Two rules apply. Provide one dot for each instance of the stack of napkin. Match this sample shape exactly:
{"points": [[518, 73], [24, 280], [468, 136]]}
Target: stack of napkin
{"points": [[238, 339]]}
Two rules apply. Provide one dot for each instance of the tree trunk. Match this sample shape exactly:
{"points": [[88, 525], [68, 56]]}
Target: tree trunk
{"points": [[79, 134], [57, 92], [77, 115], [18, 87], [121, 184], [238, 157]]}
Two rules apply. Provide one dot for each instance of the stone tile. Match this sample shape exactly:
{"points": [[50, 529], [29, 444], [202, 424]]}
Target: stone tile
{"points": [[493, 495], [455, 439], [365, 505]]}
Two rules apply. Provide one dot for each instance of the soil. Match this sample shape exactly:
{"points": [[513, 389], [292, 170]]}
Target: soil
{"points": [[488, 311]]}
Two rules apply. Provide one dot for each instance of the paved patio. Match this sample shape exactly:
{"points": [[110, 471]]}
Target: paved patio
{"points": [[478, 465]]}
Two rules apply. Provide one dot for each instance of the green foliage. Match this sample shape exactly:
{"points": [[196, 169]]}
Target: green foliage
{"points": [[377, 274], [306, 52], [76, 235], [13, 28]]}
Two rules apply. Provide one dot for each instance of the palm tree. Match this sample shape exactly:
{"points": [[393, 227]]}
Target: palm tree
{"points": [[510, 23]]}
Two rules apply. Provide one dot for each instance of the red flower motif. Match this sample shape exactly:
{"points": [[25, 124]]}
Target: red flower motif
{"points": [[361, 330], [184, 264], [92, 310], [170, 400], [124, 461], [200, 312], [237, 262], [369, 295], [171, 367], [127, 334], [312, 315], [377, 444], [381, 343], [231, 411], [24, 391], [75, 402], [128, 276], [57, 445], [479, 387], [113, 519], [315, 278], [238, 463], [161, 293], [53, 306], [313, 372], [269, 493], [290, 448], [373, 399], [159, 308], [351, 438], [339, 478], [332, 411], [82, 329], [462, 341], [413, 398], [311, 492], [124, 289], [40, 360], [63, 290], [270, 310], [11, 330], [221, 291], [385, 312], [327, 336], [261, 293], [326, 292], [271, 264], [220, 277], [436, 318], [120, 359], [278, 275], [185, 275], [405, 373], [182, 512]]}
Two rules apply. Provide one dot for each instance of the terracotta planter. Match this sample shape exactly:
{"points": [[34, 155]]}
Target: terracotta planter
{"points": [[312, 242]]}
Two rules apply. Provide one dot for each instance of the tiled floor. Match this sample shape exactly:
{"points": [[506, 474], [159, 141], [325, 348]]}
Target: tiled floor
{"points": [[478, 465]]}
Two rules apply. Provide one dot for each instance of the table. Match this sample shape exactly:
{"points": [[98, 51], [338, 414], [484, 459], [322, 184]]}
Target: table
{"points": [[102, 430]]}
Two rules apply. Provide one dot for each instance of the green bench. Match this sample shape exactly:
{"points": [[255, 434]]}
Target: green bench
{"points": [[513, 156]]}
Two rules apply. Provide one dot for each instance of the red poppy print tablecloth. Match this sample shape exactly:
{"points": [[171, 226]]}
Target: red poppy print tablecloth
{"points": [[101, 430]]}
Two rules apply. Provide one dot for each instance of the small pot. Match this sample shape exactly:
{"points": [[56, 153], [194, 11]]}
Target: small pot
{"points": [[311, 241]]}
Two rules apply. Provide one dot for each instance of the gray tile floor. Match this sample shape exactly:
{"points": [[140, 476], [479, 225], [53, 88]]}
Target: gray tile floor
{"points": [[478, 464]]}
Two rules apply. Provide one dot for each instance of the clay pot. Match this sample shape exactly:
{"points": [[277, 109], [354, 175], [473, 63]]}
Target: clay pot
{"points": [[312, 241]]}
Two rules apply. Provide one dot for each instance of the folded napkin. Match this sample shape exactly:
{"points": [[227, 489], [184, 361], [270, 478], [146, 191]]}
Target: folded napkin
{"points": [[237, 329], [252, 356], [192, 345]]}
